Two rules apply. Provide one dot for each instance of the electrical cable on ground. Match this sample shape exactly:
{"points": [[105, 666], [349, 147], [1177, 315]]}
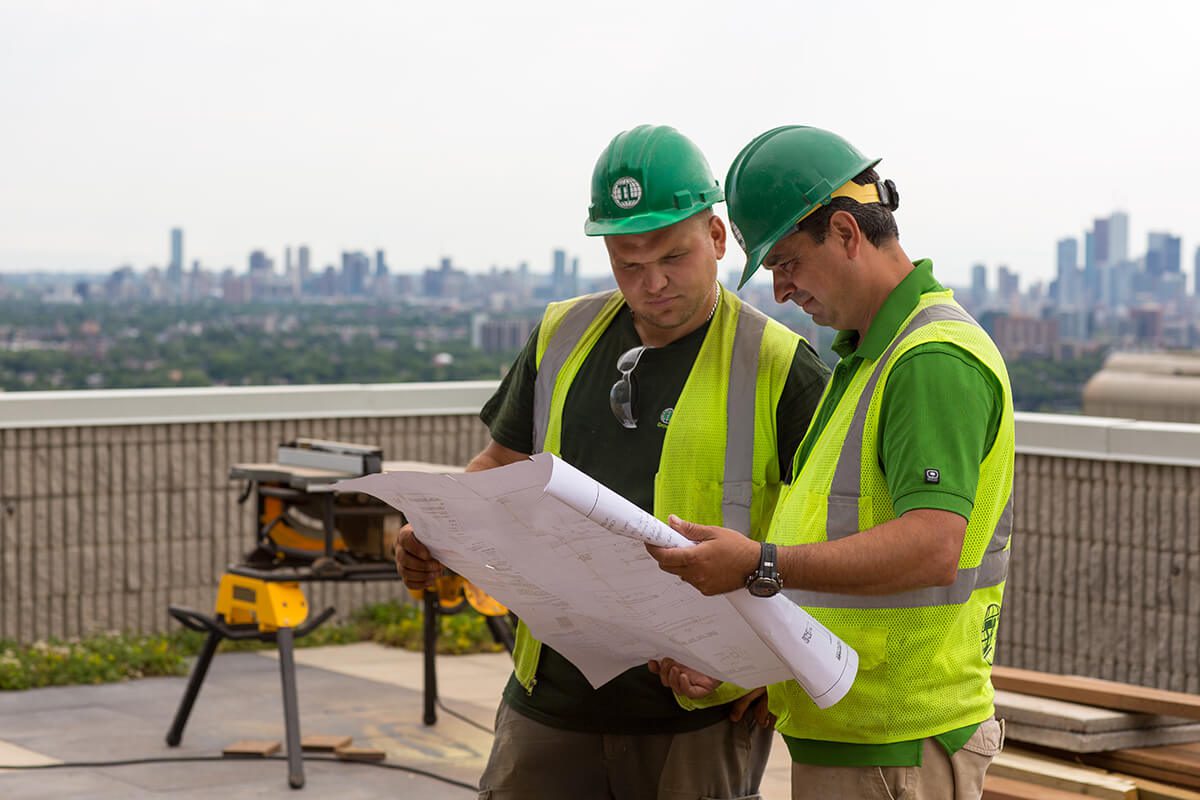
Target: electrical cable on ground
{"points": [[464, 718], [183, 759]]}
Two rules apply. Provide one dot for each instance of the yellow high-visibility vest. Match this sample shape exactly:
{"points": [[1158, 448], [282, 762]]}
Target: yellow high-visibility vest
{"points": [[720, 461], [924, 655]]}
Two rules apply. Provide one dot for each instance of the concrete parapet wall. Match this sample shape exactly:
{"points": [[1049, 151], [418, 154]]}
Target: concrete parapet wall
{"points": [[103, 526], [1105, 574], [106, 519]]}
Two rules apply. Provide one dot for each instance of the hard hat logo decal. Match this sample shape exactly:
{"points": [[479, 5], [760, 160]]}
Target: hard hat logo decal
{"points": [[626, 192]]}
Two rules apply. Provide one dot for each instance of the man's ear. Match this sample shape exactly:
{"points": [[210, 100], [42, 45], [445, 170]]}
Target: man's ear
{"points": [[716, 229], [844, 230]]}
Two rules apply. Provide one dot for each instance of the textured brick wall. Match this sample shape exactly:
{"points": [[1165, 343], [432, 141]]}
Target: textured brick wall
{"points": [[102, 527], [1105, 575]]}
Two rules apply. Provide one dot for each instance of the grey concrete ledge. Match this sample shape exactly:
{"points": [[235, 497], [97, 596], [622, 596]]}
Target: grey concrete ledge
{"points": [[1097, 438], [243, 404], [1108, 439]]}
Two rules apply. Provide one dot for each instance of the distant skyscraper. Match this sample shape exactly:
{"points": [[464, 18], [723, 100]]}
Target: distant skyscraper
{"points": [[979, 290], [177, 247], [175, 266], [302, 257], [1100, 243], [558, 277], [287, 261], [1068, 272], [1163, 254], [381, 268], [1008, 286], [1118, 241], [356, 266], [260, 264], [1196, 272]]}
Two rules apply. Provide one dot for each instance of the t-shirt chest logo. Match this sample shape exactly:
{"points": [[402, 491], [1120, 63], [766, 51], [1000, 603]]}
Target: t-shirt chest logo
{"points": [[664, 419]]}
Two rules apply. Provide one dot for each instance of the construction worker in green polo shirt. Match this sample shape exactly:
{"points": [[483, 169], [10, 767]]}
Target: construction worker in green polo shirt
{"points": [[895, 531], [675, 394]]}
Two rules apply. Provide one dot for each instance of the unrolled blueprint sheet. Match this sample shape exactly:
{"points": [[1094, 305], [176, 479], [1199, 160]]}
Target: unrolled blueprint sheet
{"points": [[539, 536]]}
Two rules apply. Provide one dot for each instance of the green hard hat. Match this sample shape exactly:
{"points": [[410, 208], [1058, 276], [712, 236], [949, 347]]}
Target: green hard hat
{"points": [[648, 178], [780, 178]]}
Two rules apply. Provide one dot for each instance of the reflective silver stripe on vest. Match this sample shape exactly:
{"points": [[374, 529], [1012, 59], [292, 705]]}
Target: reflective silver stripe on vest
{"points": [[576, 320], [992, 570], [842, 519], [842, 509], [738, 491]]}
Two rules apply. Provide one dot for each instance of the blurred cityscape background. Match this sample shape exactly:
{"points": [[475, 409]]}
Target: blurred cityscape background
{"points": [[289, 317]]}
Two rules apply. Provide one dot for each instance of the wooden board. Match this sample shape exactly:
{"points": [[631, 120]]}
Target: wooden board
{"points": [[360, 754], [1177, 764], [324, 744], [1074, 742], [1045, 712], [996, 788], [252, 748], [1154, 790], [1060, 775], [1096, 692]]}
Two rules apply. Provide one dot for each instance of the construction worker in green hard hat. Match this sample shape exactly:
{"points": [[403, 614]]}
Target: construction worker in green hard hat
{"points": [[895, 532], [681, 398]]}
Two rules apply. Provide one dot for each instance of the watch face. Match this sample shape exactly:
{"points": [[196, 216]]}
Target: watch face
{"points": [[763, 587]]}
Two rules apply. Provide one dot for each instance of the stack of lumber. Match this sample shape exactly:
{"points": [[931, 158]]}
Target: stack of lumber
{"points": [[1093, 738]]}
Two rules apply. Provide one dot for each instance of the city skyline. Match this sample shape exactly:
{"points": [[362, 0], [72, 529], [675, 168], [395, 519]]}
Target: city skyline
{"points": [[428, 131]]}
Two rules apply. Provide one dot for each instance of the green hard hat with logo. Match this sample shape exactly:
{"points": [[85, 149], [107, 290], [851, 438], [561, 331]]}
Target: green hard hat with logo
{"points": [[783, 176], [648, 178]]}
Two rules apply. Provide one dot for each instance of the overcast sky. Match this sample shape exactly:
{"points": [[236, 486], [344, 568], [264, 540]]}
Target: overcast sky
{"points": [[470, 129]]}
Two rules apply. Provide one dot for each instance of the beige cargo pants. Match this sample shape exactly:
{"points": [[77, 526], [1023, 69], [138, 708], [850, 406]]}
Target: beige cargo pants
{"points": [[940, 777]]}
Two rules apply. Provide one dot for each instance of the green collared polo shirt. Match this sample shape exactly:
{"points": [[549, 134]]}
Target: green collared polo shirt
{"points": [[941, 409]]}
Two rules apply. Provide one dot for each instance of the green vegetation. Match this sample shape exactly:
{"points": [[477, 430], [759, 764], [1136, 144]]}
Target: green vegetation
{"points": [[1044, 384], [100, 345], [115, 657]]}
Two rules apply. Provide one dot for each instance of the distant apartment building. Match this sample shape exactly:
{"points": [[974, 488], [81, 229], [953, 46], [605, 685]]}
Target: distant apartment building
{"points": [[1022, 336], [500, 335]]}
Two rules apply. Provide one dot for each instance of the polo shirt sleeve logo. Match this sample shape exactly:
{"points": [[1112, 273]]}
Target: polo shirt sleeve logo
{"points": [[933, 476]]}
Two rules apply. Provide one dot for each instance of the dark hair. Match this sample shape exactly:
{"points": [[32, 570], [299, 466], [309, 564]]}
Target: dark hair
{"points": [[875, 220]]}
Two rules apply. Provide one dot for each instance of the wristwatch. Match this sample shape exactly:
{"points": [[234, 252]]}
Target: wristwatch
{"points": [[766, 580]]}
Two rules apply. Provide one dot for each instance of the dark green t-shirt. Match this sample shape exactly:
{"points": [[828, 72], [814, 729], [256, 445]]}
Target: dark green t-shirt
{"points": [[626, 461]]}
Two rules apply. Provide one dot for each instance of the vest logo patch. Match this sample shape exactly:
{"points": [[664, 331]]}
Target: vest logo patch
{"points": [[991, 621], [664, 419], [933, 476]]}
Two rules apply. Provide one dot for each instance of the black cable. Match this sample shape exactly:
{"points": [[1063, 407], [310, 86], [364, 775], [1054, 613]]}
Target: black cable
{"points": [[184, 759], [465, 719]]}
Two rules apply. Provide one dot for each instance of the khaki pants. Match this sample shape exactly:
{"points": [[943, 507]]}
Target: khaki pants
{"points": [[532, 761], [939, 777]]}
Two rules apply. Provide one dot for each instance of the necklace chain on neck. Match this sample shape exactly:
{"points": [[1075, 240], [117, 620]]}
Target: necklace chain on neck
{"points": [[716, 300]]}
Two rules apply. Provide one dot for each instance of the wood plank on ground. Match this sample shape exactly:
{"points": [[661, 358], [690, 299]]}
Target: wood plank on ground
{"points": [[997, 788], [1177, 764], [1057, 774], [318, 743], [1156, 790], [252, 748], [1097, 692]]}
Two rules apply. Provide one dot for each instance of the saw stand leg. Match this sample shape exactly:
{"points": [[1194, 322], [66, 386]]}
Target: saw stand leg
{"points": [[431, 632], [291, 709], [284, 640]]}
